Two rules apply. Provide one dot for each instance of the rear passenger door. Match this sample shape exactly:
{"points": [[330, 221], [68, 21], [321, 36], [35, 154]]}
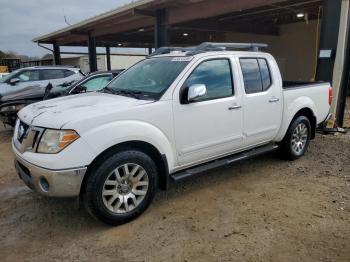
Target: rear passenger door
{"points": [[262, 101]]}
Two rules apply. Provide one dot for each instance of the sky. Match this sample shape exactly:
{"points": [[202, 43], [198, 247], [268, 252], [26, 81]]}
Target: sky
{"points": [[22, 20]]}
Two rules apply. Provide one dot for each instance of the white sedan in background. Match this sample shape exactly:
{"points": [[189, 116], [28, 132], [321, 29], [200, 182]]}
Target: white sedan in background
{"points": [[3, 74]]}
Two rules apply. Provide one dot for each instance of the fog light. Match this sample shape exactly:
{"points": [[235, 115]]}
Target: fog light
{"points": [[44, 184]]}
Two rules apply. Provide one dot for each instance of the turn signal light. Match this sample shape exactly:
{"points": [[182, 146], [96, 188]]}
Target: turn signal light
{"points": [[67, 138]]}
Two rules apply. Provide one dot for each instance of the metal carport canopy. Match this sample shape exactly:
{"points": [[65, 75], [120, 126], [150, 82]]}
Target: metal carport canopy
{"points": [[121, 25]]}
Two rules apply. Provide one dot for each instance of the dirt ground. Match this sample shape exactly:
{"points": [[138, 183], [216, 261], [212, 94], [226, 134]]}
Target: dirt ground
{"points": [[264, 209], [347, 113]]}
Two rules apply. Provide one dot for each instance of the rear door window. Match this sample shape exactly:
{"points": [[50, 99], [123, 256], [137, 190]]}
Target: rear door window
{"points": [[256, 75], [251, 75], [49, 74], [265, 74]]}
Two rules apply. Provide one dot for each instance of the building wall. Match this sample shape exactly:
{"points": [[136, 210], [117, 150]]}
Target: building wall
{"points": [[85, 67], [294, 49], [123, 62], [71, 61], [117, 62]]}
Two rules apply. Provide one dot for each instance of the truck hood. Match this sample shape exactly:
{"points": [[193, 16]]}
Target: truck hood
{"points": [[55, 113]]}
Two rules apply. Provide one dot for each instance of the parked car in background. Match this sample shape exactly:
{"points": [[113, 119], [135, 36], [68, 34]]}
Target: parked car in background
{"points": [[11, 103], [39, 76], [3, 75], [167, 118], [90, 83]]}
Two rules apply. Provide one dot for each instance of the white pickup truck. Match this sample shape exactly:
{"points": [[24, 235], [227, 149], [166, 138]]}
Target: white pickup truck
{"points": [[179, 112]]}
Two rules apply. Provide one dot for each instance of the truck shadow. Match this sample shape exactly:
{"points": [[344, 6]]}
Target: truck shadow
{"points": [[26, 215], [66, 213], [224, 175]]}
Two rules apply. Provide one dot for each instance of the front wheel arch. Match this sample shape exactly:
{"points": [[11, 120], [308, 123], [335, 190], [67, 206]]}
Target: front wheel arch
{"points": [[157, 157]]}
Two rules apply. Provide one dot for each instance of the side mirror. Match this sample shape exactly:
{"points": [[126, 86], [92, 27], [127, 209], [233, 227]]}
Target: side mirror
{"points": [[14, 81], [47, 93], [79, 89], [196, 91]]}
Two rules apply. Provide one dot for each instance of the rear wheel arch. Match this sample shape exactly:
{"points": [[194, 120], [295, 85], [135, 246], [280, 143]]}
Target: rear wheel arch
{"points": [[307, 112], [147, 148]]}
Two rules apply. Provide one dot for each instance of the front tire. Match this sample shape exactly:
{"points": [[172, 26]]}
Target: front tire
{"points": [[297, 139], [122, 187]]}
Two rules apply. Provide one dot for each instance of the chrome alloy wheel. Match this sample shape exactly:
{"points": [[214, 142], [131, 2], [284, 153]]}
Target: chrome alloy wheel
{"points": [[125, 188], [299, 138]]}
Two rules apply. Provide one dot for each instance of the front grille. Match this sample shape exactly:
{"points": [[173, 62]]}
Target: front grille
{"points": [[27, 137]]}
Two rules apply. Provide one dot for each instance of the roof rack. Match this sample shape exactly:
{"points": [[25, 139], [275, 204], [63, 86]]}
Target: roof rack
{"points": [[167, 50], [208, 47], [60, 66]]}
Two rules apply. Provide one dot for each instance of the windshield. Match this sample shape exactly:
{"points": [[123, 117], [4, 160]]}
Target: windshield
{"points": [[9, 76], [148, 79]]}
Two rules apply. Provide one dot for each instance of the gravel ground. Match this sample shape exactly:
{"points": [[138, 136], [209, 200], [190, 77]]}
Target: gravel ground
{"points": [[264, 209]]}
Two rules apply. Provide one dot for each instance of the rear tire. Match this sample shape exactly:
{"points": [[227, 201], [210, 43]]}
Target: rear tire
{"points": [[122, 187], [297, 139]]}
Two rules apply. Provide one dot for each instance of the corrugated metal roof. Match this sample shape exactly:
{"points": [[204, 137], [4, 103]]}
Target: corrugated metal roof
{"points": [[111, 13]]}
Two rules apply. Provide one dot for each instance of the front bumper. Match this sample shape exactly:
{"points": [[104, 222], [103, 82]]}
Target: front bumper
{"points": [[52, 183]]}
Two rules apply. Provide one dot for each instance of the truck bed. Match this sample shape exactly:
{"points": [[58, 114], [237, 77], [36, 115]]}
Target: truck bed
{"points": [[299, 84], [316, 94]]}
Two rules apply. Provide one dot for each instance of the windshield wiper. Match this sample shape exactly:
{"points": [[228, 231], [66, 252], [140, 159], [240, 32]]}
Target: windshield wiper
{"points": [[109, 90], [134, 94]]}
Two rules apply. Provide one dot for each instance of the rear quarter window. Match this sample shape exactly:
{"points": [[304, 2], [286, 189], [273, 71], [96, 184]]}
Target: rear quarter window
{"points": [[68, 73]]}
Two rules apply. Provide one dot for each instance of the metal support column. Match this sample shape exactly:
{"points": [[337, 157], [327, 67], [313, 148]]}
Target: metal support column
{"points": [[108, 57], [161, 29], [92, 54], [328, 39], [344, 82], [56, 54]]}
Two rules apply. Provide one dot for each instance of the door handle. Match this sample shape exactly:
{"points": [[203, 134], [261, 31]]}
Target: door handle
{"points": [[274, 100], [234, 107]]}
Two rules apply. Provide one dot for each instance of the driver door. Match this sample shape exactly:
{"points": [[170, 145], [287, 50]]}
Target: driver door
{"points": [[211, 125]]}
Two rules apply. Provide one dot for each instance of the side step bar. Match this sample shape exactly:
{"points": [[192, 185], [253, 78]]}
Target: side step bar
{"points": [[182, 175]]}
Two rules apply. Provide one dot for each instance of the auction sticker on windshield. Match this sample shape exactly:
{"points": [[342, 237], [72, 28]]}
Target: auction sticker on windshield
{"points": [[181, 59]]}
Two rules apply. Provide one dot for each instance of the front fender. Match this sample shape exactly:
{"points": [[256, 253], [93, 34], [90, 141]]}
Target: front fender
{"points": [[290, 110], [111, 134]]}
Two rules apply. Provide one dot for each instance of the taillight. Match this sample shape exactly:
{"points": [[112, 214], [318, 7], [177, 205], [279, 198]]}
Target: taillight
{"points": [[330, 95]]}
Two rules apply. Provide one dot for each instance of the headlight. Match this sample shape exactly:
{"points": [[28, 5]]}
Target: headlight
{"points": [[14, 108], [53, 141]]}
